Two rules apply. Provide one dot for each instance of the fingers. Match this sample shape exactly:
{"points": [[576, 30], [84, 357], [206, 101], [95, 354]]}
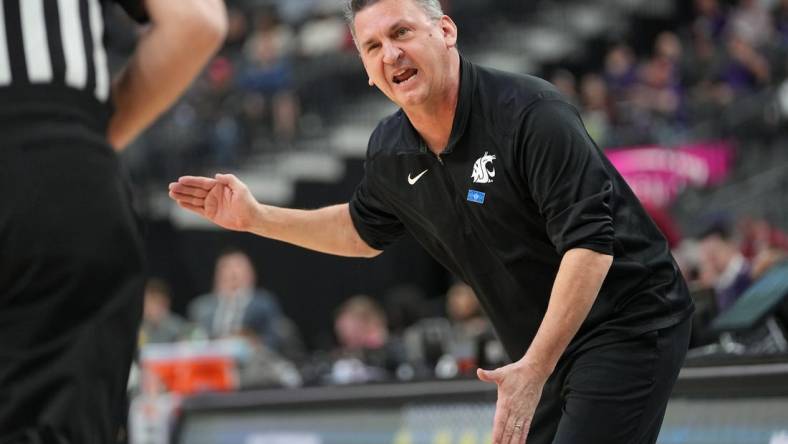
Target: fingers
{"points": [[187, 190], [205, 183], [516, 429], [188, 200], [524, 432], [190, 207], [509, 427], [188, 195], [191, 190], [499, 423], [520, 433]]}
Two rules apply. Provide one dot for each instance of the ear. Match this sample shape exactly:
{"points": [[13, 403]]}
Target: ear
{"points": [[449, 29], [366, 71]]}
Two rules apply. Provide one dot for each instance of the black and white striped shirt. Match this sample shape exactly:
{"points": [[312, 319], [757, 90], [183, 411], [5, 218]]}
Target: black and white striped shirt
{"points": [[51, 45]]}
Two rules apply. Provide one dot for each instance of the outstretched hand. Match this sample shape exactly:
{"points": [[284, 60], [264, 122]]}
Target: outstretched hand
{"points": [[224, 200], [519, 390]]}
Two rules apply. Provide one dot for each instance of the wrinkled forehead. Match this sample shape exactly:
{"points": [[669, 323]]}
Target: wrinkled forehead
{"points": [[381, 16]]}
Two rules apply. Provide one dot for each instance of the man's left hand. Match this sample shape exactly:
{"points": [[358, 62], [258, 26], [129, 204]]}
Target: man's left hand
{"points": [[519, 389]]}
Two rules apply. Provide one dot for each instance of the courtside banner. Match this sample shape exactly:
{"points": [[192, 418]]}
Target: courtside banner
{"points": [[658, 174]]}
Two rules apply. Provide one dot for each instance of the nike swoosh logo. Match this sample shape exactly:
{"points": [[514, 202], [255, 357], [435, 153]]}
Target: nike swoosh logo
{"points": [[413, 180]]}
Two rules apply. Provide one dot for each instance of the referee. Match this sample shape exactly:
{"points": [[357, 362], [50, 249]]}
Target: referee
{"points": [[71, 260], [495, 175]]}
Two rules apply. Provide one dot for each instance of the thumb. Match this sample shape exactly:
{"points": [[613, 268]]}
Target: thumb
{"points": [[488, 375], [230, 180]]}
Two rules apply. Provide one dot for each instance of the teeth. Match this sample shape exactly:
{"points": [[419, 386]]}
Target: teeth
{"points": [[400, 73]]}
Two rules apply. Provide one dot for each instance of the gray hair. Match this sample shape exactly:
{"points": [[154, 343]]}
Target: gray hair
{"points": [[352, 7]]}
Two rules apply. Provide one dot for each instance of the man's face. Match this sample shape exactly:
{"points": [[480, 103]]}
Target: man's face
{"points": [[234, 272], [157, 305], [405, 52], [714, 253]]}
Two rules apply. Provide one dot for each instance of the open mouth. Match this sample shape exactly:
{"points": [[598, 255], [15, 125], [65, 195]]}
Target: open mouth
{"points": [[405, 75]]}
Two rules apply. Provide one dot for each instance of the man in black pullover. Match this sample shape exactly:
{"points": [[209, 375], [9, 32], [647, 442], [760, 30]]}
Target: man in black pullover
{"points": [[495, 175]]}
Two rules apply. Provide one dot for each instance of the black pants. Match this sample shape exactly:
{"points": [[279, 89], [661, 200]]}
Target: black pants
{"points": [[614, 393], [71, 281]]}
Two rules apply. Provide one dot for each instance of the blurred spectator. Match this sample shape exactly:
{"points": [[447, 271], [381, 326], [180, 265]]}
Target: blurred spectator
{"points": [[366, 350], [751, 23], [464, 311], [473, 343], [221, 112], [711, 20], [687, 258], [271, 41], [360, 323], [781, 21], [658, 96], [702, 68], [758, 236], [159, 324], [236, 306], [668, 46], [597, 110], [565, 81], [268, 77], [722, 266], [324, 33], [703, 57], [620, 71], [659, 90], [746, 69]]}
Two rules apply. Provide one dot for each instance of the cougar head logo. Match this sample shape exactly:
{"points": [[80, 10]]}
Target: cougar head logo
{"points": [[483, 171]]}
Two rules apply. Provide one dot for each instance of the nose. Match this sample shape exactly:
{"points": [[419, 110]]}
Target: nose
{"points": [[391, 53]]}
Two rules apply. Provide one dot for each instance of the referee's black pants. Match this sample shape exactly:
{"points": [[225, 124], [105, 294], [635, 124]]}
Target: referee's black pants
{"points": [[614, 393], [71, 281]]}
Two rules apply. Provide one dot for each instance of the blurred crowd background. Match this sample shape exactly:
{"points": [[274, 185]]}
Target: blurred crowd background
{"points": [[690, 99]]}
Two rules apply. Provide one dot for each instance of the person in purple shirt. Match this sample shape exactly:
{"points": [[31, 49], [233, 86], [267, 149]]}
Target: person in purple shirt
{"points": [[723, 267]]}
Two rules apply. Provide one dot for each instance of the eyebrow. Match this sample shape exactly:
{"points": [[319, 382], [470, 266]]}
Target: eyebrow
{"points": [[394, 26]]}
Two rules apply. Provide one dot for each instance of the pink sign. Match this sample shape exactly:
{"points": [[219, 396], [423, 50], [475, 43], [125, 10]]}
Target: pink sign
{"points": [[658, 174]]}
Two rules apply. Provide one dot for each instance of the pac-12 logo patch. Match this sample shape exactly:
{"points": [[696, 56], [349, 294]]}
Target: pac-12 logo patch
{"points": [[483, 171], [475, 196]]}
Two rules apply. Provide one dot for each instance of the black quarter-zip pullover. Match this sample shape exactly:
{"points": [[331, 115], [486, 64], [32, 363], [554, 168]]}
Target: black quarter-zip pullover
{"points": [[519, 184]]}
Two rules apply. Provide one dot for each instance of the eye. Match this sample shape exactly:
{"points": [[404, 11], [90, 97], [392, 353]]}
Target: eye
{"points": [[401, 31], [373, 47]]}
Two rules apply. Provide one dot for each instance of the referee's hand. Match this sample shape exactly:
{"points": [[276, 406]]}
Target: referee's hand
{"points": [[519, 390], [223, 199]]}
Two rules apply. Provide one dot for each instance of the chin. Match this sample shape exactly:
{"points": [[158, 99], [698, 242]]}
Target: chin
{"points": [[413, 99]]}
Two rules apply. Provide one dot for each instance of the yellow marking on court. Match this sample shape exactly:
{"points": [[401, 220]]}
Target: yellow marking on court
{"points": [[442, 436], [403, 436], [468, 436]]}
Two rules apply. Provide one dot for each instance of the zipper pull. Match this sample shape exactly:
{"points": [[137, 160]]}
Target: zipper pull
{"points": [[440, 159]]}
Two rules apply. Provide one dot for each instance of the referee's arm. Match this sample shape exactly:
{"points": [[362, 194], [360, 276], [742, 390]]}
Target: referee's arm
{"points": [[171, 52]]}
